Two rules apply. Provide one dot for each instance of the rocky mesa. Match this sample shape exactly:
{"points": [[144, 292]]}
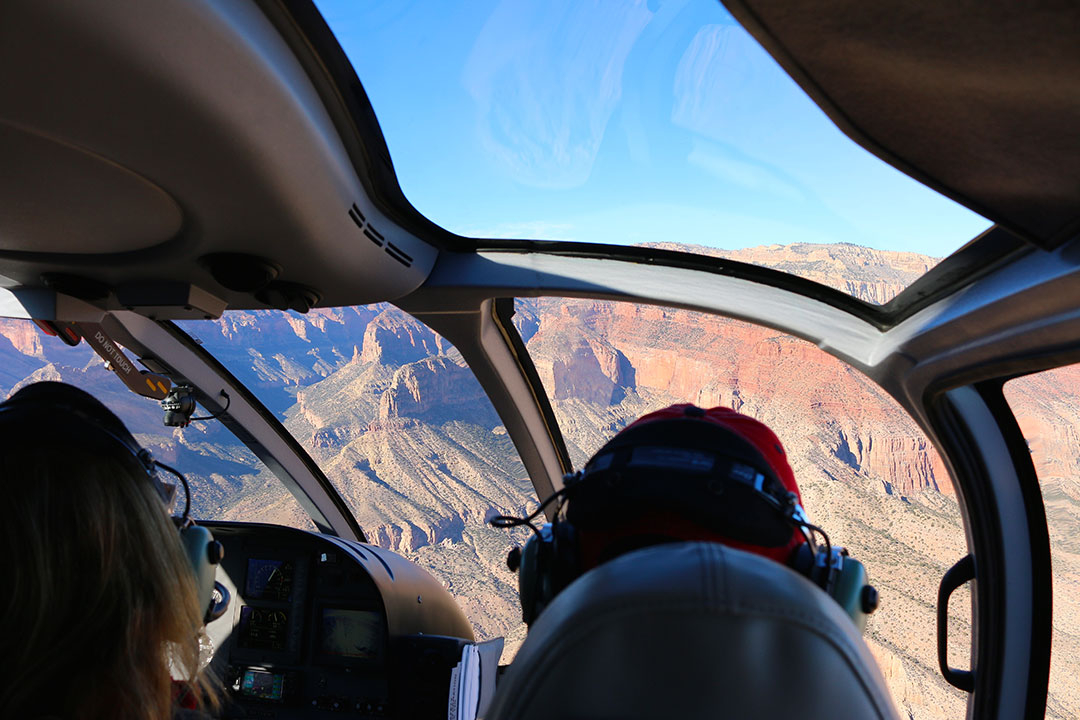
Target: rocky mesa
{"points": [[403, 430]]}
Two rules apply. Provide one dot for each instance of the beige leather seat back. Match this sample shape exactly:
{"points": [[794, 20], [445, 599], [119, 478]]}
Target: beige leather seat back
{"points": [[692, 630]]}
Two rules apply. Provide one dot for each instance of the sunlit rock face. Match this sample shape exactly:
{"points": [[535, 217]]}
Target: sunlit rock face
{"points": [[433, 388], [403, 430], [394, 338], [24, 337], [599, 352], [875, 276]]}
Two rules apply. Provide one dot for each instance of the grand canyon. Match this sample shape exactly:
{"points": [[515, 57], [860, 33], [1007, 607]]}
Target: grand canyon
{"points": [[396, 420]]}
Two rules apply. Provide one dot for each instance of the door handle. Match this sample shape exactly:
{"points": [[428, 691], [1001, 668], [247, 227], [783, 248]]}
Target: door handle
{"points": [[957, 575]]}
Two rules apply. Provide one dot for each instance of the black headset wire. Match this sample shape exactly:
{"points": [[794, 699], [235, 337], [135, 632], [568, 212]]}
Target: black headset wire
{"points": [[219, 413], [792, 512], [806, 536], [185, 518], [787, 510], [804, 526], [509, 521]]}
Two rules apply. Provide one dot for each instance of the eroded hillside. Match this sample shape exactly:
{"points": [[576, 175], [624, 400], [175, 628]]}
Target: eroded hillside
{"points": [[403, 430], [867, 473]]}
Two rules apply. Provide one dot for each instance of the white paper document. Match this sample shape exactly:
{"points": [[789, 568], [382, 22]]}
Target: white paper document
{"points": [[472, 681]]}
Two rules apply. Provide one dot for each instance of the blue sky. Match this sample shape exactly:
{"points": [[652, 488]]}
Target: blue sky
{"points": [[620, 122]]}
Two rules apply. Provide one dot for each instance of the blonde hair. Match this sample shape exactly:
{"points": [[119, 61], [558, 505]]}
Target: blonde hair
{"points": [[100, 597]]}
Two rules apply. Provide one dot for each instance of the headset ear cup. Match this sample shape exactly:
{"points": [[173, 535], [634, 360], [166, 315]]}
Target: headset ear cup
{"points": [[549, 562], [204, 553], [566, 566], [529, 580], [813, 565], [802, 561], [847, 584]]}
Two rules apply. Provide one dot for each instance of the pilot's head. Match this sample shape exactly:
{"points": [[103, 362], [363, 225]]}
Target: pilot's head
{"points": [[684, 473], [99, 597]]}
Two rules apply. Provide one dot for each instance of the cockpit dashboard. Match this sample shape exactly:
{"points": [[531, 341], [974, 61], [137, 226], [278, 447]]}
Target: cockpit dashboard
{"points": [[320, 627]]}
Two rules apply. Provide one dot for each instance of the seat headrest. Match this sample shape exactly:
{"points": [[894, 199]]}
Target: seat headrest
{"points": [[693, 630]]}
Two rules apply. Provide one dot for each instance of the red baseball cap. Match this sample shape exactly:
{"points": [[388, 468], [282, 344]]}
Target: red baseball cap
{"points": [[685, 473]]}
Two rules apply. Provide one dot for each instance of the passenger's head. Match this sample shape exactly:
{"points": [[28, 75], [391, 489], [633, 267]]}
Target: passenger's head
{"points": [[99, 598], [682, 474], [676, 475]]}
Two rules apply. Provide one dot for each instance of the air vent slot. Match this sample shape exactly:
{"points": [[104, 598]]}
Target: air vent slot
{"points": [[398, 254], [376, 237], [361, 222], [373, 235], [357, 216]]}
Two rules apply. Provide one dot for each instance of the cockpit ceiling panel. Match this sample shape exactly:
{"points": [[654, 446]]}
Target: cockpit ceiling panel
{"points": [[139, 137], [979, 100], [52, 195]]}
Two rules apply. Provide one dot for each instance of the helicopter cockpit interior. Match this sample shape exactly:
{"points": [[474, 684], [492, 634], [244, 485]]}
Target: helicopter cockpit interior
{"points": [[312, 254]]}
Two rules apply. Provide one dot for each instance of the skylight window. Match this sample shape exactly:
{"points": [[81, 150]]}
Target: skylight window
{"points": [[636, 123]]}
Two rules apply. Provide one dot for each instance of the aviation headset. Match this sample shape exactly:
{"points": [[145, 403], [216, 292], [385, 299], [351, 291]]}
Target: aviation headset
{"points": [[61, 402], [698, 471]]}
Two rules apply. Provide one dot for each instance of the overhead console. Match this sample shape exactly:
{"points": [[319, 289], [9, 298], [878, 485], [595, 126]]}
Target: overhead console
{"points": [[319, 627], [140, 138]]}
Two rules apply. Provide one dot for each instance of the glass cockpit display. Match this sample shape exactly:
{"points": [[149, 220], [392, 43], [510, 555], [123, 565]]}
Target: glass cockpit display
{"points": [[262, 684], [269, 580], [351, 633]]}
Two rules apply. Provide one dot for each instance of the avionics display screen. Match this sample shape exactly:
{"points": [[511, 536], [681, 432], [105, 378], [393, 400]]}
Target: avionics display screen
{"points": [[263, 628], [262, 684], [351, 633], [269, 580]]}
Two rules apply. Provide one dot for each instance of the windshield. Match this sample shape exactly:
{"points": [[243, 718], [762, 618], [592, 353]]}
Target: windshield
{"points": [[228, 482], [633, 123], [399, 424], [866, 473], [1046, 409]]}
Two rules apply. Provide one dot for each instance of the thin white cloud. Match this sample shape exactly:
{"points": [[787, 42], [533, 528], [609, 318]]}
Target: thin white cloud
{"points": [[719, 83], [744, 173], [546, 81]]}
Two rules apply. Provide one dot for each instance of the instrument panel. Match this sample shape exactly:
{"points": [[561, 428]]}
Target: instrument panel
{"points": [[318, 627]]}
